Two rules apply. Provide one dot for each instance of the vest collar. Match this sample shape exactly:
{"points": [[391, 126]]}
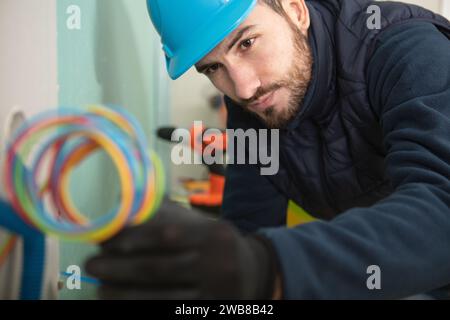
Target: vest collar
{"points": [[321, 92]]}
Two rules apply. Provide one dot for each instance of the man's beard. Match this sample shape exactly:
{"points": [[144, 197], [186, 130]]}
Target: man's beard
{"points": [[296, 82]]}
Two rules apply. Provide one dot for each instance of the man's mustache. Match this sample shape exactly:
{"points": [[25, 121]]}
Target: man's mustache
{"points": [[260, 93]]}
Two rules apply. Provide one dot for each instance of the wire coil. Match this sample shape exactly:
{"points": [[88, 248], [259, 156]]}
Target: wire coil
{"points": [[64, 138]]}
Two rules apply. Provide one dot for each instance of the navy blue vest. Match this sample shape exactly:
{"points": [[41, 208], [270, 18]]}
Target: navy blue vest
{"points": [[332, 153]]}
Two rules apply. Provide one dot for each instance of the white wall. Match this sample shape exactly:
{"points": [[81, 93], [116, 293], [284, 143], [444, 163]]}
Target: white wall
{"points": [[28, 56], [445, 8], [434, 5]]}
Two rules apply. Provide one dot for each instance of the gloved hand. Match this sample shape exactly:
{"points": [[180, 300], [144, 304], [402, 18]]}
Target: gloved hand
{"points": [[181, 254]]}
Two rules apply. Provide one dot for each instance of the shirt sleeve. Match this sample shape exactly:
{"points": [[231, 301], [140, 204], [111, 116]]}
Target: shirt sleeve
{"points": [[406, 235]]}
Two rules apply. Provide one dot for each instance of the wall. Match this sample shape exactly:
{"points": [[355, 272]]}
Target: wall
{"points": [[113, 59], [445, 8], [28, 76]]}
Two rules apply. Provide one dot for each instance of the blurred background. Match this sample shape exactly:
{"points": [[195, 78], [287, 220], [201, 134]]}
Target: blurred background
{"points": [[112, 57]]}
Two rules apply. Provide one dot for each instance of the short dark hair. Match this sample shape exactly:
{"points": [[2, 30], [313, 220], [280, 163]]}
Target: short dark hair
{"points": [[275, 5]]}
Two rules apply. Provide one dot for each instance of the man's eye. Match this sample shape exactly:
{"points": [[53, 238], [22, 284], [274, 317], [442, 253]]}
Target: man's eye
{"points": [[246, 44], [212, 69]]}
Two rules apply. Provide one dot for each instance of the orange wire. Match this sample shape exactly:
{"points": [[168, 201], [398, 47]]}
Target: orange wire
{"points": [[9, 247]]}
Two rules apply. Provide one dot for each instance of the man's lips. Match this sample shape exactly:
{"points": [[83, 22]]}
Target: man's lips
{"points": [[262, 103]]}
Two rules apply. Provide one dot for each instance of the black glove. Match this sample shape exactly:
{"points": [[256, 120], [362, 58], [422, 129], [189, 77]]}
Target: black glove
{"points": [[181, 254]]}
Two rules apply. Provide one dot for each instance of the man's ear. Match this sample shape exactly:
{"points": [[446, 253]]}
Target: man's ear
{"points": [[298, 12]]}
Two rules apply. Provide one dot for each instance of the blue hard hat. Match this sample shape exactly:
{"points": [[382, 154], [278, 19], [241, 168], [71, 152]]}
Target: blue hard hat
{"points": [[190, 29]]}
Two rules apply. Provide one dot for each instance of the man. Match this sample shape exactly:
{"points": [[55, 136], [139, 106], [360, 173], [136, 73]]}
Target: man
{"points": [[364, 119]]}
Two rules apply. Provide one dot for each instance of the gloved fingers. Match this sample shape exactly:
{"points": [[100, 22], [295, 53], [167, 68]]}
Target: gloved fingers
{"points": [[110, 292], [152, 237], [152, 270], [170, 211]]}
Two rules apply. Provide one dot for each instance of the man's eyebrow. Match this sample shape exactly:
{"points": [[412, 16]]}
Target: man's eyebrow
{"points": [[236, 38], [239, 36]]}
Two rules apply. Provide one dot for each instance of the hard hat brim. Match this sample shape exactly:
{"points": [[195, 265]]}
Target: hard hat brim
{"points": [[213, 35]]}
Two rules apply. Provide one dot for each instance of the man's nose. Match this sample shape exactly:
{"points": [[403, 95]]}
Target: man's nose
{"points": [[245, 81]]}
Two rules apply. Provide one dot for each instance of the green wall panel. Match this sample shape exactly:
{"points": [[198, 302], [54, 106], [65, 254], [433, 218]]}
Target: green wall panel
{"points": [[114, 58]]}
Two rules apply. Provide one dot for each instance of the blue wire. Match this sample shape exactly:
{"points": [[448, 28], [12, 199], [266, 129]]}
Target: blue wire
{"points": [[33, 252], [83, 279]]}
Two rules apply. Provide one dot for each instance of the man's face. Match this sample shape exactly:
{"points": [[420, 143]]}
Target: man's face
{"points": [[264, 66]]}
